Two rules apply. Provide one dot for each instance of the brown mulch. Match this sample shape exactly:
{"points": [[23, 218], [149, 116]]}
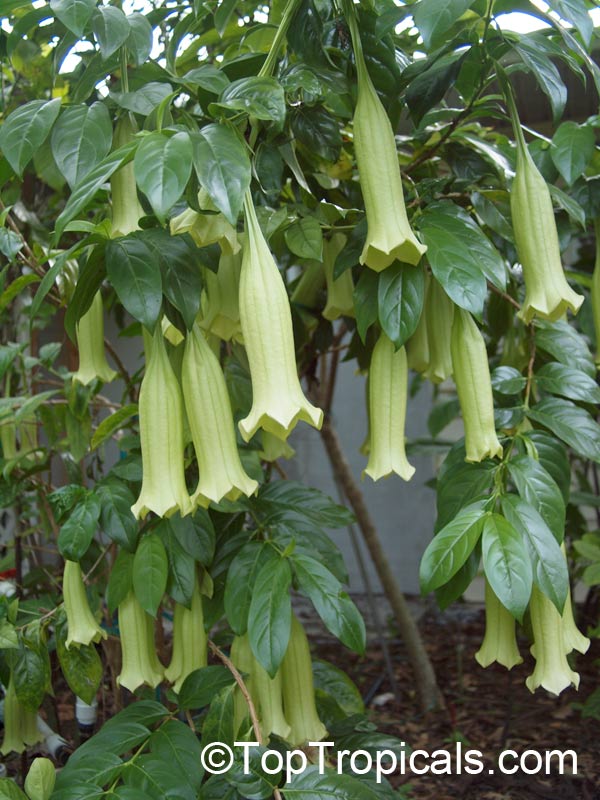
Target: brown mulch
{"points": [[487, 709]]}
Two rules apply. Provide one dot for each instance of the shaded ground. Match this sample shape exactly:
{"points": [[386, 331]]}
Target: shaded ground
{"points": [[488, 710]]}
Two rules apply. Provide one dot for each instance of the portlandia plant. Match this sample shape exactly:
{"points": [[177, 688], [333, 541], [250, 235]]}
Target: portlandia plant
{"points": [[246, 221]]}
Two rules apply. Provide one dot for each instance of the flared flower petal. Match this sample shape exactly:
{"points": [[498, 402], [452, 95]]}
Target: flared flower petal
{"points": [[162, 437], [207, 228], [299, 691], [500, 641], [389, 235], [388, 387], [547, 293], [211, 423], [265, 692], [90, 345], [278, 402], [82, 626], [20, 725], [552, 670], [140, 664], [189, 640], [474, 387], [220, 300], [340, 300]]}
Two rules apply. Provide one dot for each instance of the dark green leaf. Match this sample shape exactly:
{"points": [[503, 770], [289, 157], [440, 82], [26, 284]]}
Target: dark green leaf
{"points": [[575, 11], [260, 97], [177, 746], [77, 532], [120, 582], [144, 100], [332, 603], [567, 345], [31, 674], [218, 723], [507, 564], [537, 487], [208, 77], [116, 517], [567, 381], [139, 41], [180, 267], [80, 665], [162, 167], [572, 148], [201, 686], [366, 301], [112, 423], [316, 784], [195, 534], [25, 129], [241, 578], [111, 29], [81, 139], [550, 573], [334, 681], [530, 48], [400, 295], [133, 268], [182, 569], [223, 167], [460, 483], [289, 501], [74, 14], [429, 87], [450, 548], [434, 17], [150, 570], [570, 423], [508, 380], [270, 614]]}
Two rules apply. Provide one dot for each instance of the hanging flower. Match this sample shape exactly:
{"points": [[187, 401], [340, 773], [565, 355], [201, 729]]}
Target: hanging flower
{"points": [[500, 641], [220, 300], [278, 402], [547, 293], [417, 347], [340, 300], [298, 690], [595, 293], [389, 235], [126, 208], [573, 639], [439, 313], [20, 725], [388, 386], [189, 640], [474, 387], [161, 434], [552, 670], [210, 227], [140, 662], [82, 626], [90, 345], [265, 692], [274, 448], [211, 423]]}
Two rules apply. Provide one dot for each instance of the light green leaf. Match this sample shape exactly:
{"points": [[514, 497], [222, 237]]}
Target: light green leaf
{"points": [[305, 238], [434, 17], [74, 14], [572, 148]]}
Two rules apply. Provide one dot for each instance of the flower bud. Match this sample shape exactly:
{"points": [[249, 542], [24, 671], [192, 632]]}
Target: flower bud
{"points": [[474, 387], [274, 448], [126, 208], [140, 664], [340, 300], [211, 423], [278, 402], [547, 293], [265, 692], [500, 641], [82, 627], [161, 435], [20, 725], [220, 300], [90, 345], [388, 386], [298, 690], [552, 670], [389, 235], [189, 640], [211, 227], [439, 313]]}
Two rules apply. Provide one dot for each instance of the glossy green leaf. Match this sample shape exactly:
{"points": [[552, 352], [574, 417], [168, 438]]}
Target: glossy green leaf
{"points": [[508, 380], [305, 238], [25, 129], [270, 614], [507, 564], [120, 582], [530, 48], [434, 17], [569, 422], [400, 296], [74, 14], [576, 12], [81, 665], [80, 140], [201, 686], [366, 301], [111, 29], [150, 570], [145, 99], [179, 748], [116, 517], [568, 382], [567, 345], [162, 167], [537, 487], [572, 148], [241, 578], [260, 97], [77, 532], [133, 268], [139, 41]]}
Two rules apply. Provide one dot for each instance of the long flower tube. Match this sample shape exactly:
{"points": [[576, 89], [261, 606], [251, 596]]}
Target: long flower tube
{"points": [[388, 388], [126, 208], [547, 293], [573, 639], [552, 670], [220, 300], [89, 332], [162, 437], [439, 313], [82, 626], [189, 640], [474, 387], [417, 347], [210, 419], [389, 235], [266, 692], [299, 691], [278, 402], [20, 725], [140, 663], [340, 300], [500, 641]]}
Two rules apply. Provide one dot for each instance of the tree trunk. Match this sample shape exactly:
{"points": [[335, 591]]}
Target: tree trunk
{"points": [[430, 696]]}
